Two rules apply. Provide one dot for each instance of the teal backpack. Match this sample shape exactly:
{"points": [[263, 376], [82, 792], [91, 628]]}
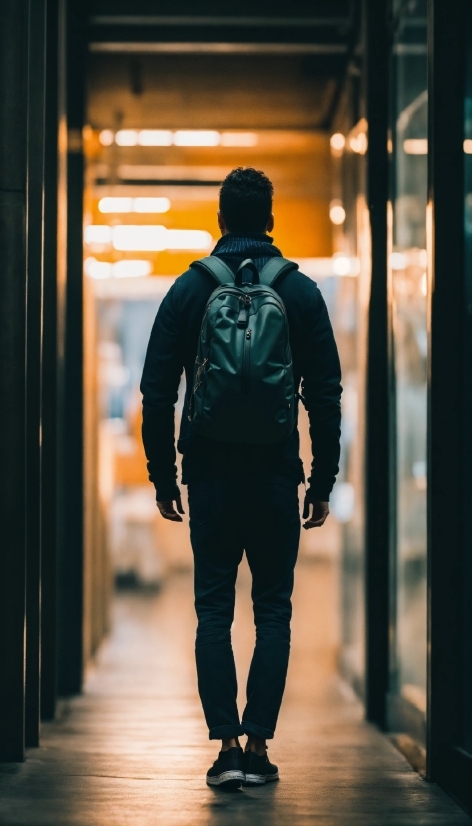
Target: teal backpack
{"points": [[243, 388]]}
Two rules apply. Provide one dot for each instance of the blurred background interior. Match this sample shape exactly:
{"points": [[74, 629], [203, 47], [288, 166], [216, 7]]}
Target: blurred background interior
{"points": [[162, 131]]}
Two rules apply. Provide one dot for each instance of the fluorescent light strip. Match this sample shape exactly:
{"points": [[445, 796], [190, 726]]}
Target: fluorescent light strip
{"points": [[126, 137], [415, 146], [152, 205], [155, 137], [115, 204], [158, 238], [197, 137], [182, 137], [150, 238], [120, 269], [239, 139], [97, 234]]}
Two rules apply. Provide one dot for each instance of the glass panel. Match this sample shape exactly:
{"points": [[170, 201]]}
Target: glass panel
{"points": [[350, 320], [408, 263], [467, 721]]}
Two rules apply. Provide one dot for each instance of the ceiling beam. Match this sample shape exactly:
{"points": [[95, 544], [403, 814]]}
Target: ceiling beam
{"points": [[153, 47], [205, 20]]}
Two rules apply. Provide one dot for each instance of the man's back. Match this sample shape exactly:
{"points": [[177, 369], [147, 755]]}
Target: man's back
{"points": [[315, 363]]}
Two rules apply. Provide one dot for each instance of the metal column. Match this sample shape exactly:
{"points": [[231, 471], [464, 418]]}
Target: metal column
{"points": [[377, 402], [13, 300], [447, 763]]}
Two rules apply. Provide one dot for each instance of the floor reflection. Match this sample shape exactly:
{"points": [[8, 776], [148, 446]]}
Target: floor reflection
{"points": [[133, 750]]}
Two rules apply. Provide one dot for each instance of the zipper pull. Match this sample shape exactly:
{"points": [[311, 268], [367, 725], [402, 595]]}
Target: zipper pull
{"points": [[243, 316], [248, 334]]}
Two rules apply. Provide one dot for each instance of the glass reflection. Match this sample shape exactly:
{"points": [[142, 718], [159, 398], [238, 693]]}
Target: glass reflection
{"points": [[467, 696], [408, 265]]}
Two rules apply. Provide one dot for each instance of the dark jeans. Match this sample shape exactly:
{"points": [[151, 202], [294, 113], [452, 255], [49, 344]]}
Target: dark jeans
{"points": [[259, 515]]}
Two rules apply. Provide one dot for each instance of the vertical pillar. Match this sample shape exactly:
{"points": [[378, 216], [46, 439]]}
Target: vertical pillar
{"points": [[377, 402], [52, 343], [71, 559], [13, 298], [35, 262], [446, 426]]}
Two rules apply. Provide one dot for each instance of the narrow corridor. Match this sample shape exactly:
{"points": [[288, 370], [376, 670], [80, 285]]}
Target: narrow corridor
{"points": [[133, 750]]}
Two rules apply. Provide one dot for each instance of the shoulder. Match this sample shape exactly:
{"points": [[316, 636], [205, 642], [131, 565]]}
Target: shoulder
{"points": [[193, 279], [300, 291], [190, 293]]}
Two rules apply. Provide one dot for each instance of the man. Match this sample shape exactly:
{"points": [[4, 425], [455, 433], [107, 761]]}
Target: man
{"points": [[242, 497]]}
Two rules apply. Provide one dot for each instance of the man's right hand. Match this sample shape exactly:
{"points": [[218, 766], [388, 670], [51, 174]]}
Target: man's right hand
{"points": [[168, 511]]}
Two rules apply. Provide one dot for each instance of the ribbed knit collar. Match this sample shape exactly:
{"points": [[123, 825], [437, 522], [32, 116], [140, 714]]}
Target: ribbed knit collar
{"points": [[251, 245]]}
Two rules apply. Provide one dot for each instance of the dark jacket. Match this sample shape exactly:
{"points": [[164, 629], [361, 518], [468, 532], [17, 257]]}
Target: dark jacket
{"points": [[173, 347]]}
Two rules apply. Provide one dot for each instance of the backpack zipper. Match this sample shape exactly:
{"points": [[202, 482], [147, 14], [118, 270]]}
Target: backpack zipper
{"points": [[246, 362], [243, 317]]}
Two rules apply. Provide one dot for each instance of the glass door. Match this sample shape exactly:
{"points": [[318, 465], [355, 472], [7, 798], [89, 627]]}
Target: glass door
{"points": [[408, 309]]}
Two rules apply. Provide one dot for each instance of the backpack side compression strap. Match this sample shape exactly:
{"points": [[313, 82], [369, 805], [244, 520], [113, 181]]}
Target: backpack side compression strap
{"points": [[217, 268], [275, 267]]}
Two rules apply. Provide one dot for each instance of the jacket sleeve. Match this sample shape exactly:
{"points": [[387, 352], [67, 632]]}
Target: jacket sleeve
{"points": [[321, 389], [159, 385]]}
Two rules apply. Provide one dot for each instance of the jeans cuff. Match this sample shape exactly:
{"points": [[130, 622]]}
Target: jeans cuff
{"points": [[257, 731], [225, 732]]}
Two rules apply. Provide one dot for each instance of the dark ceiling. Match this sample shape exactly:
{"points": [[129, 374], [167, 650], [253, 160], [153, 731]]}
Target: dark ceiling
{"points": [[321, 34], [300, 26]]}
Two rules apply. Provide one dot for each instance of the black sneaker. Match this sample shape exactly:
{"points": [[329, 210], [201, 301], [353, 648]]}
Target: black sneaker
{"points": [[228, 770], [258, 769]]}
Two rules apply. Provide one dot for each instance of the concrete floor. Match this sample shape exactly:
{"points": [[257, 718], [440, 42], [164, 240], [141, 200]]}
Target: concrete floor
{"points": [[133, 750]]}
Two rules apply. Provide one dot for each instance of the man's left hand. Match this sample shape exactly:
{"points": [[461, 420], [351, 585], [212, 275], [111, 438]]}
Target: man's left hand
{"points": [[319, 513]]}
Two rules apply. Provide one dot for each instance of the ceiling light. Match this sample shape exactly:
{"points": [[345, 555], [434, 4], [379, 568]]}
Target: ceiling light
{"points": [[132, 269], [344, 265], [337, 213], [468, 146], [115, 205], [341, 265], [97, 234], [155, 137], [97, 269], [358, 143], [132, 237], [156, 238], [106, 137], [196, 137], [337, 142], [151, 205], [188, 239], [415, 146], [120, 269], [239, 139], [134, 205], [126, 137]]}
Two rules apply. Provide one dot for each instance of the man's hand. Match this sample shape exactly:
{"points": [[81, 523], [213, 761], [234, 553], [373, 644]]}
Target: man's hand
{"points": [[319, 513], [168, 511]]}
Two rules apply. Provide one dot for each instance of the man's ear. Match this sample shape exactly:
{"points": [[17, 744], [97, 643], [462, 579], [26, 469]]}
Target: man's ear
{"points": [[270, 223], [221, 223]]}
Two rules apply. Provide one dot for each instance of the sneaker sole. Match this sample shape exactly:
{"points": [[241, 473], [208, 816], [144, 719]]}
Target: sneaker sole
{"points": [[259, 779], [230, 779]]}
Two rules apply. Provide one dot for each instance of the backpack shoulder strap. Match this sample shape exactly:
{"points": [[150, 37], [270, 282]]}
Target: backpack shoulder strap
{"points": [[217, 268], [274, 268]]}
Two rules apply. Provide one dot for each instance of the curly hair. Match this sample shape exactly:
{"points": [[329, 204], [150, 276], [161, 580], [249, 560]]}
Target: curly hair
{"points": [[246, 200]]}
